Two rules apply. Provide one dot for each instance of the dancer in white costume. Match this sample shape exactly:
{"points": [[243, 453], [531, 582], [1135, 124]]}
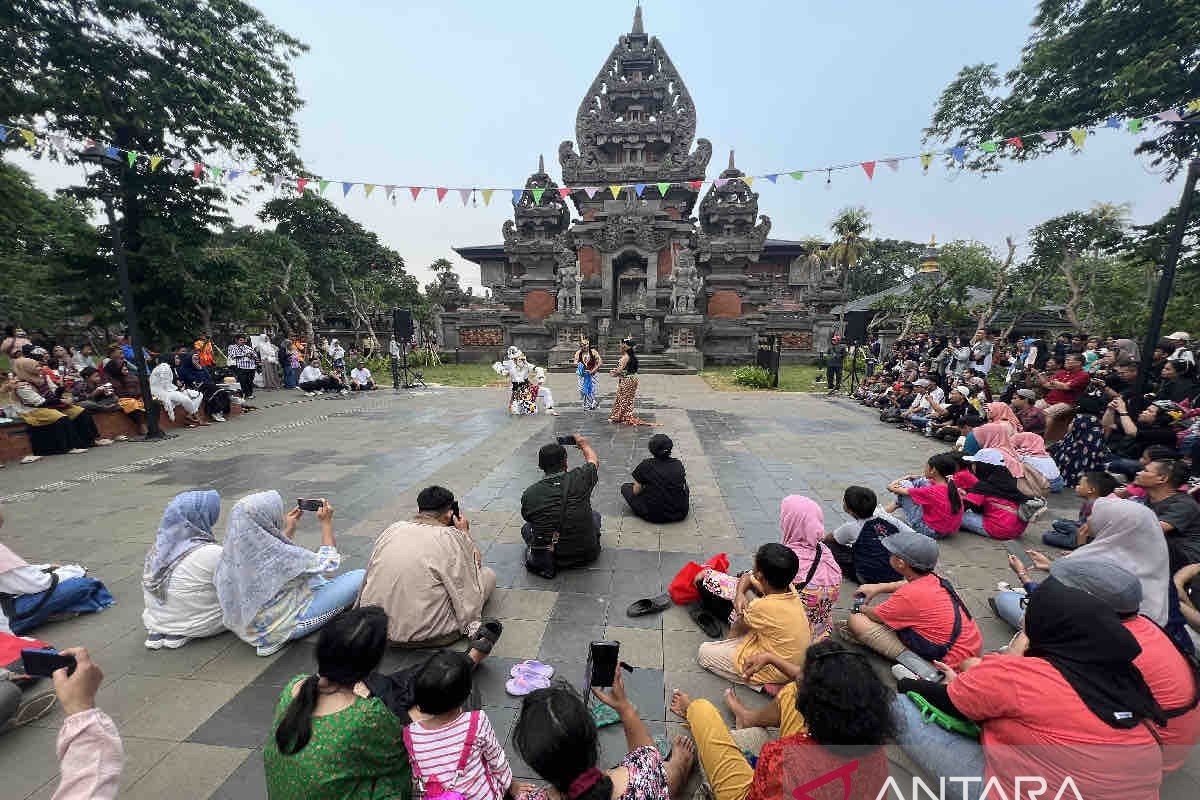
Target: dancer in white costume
{"points": [[542, 391], [518, 371]]}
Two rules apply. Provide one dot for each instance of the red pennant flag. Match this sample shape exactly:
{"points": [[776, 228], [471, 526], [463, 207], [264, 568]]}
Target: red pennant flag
{"points": [[869, 168], [196, 170], [564, 191], [441, 192], [695, 185], [300, 184], [1016, 142], [416, 190]]}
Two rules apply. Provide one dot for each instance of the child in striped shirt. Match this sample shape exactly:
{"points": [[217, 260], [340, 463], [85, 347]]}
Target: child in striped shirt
{"points": [[454, 753]]}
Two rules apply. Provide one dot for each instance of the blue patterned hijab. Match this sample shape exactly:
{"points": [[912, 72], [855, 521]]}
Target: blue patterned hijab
{"points": [[186, 524]]}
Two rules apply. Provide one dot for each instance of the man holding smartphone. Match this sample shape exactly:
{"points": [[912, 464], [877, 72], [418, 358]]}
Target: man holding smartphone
{"points": [[561, 504]]}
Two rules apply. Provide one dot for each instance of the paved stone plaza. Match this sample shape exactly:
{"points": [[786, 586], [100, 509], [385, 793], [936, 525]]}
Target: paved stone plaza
{"points": [[194, 720]]}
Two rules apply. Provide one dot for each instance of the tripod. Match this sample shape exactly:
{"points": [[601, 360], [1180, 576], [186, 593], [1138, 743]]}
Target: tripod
{"points": [[400, 370]]}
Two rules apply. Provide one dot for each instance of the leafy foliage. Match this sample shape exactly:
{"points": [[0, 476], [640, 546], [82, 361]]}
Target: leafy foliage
{"points": [[754, 377]]}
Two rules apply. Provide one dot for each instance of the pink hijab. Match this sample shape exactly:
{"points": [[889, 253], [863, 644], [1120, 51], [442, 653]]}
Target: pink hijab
{"points": [[803, 524], [10, 560], [1030, 444], [1002, 412], [998, 437]]}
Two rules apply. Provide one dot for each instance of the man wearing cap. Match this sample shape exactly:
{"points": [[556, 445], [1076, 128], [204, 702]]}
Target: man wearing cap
{"points": [[921, 410], [1033, 419], [923, 615], [1183, 343]]}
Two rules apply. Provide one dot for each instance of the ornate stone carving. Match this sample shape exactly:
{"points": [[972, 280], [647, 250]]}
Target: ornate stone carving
{"points": [[568, 283], [686, 283], [481, 337], [625, 229]]}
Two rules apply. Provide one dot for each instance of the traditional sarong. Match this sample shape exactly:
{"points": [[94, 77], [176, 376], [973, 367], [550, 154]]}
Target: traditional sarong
{"points": [[622, 412], [587, 388], [522, 400]]}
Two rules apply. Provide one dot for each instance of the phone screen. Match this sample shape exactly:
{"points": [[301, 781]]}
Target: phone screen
{"points": [[602, 663], [43, 663], [309, 505], [1017, 550], [566, 440]]}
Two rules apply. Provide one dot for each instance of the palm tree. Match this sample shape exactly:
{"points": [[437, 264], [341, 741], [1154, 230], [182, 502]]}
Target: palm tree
{"points": [[850, 228]]}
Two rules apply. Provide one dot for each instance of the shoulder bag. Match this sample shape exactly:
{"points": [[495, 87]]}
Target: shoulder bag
{"points": [[539, 554]]}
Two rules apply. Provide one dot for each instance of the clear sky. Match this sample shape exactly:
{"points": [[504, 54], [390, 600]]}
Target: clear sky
{"points": [[469, 92]]}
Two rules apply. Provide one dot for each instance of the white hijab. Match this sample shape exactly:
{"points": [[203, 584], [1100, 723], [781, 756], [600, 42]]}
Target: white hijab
{"points": [[1128, 534]]}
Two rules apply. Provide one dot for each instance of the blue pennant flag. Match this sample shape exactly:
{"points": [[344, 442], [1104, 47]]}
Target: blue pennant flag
{"points": [[232, 174], [772, 177], [3, 133], [959, 153], [1113, 122], [111, 151], [517, 196], [346, 187], [639, 188]]}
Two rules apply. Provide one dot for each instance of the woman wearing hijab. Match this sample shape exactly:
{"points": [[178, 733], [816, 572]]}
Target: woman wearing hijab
{"points": [[169, 395], [1127, 349], [1032, 449], [1066, 701], [54, 426], [177, 580], [991, 496], [272, 590], [659, 492], [819, 578], [1081, 450], [194, 375]]}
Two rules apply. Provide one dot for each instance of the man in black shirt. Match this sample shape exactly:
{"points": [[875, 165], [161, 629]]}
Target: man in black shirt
{"points": [[561, 503], [833, 364], [659, 492]]}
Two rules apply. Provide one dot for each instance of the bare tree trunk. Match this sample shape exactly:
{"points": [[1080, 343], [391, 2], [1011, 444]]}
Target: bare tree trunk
{"points": [[205, 319], [1000, 288], [357, 308], [1067, 268]]}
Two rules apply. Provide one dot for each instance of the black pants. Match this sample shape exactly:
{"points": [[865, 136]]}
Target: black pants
{"points": [[326, 384], [639, 506], [246, 379], [830, 372], [66, 434], [844, 556], [354, 387], [216, 398], [527, 535]]}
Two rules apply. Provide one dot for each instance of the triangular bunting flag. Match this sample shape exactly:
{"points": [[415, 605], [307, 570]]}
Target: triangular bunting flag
{"points": [[869, 168], [109, 151], [719, 182], [564, 191], [176, 163], [1194, 105], [1136, 124], [59, 141], [639, 188], [414, 191], [217, 172], [277, 181], [959, 153], [1050, 136], [797, 175], [232, 176], [988, 147], [389, 189], [516, 193], [537, 195], [615, 190], [772, 177], [3, 133], [441, 193], [197, 170], [256, 172], [1079, 136], [30, 140], [893, 164], [1162, 116], [132, 157], [1113, 122], [321, 184], [663, 188], [748, 179], [154, 162], [346, 187], [695, 185], [487, 196], [465, 194], [1016, 142], [926, 160], [590, 191], [368, 188], [300, 184]]}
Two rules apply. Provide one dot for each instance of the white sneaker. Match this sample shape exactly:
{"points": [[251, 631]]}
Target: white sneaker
{"points": [[30, 459], [218, 417], [270, 651], [76, 451], [103, 442], [312, 394], [345, 391]]}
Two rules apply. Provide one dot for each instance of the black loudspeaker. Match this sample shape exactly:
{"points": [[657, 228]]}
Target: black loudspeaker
{"points": [[402, 324]]}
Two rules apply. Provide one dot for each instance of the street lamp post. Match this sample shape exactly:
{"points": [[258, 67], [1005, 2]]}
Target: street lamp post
{"points": [[99, 156]]}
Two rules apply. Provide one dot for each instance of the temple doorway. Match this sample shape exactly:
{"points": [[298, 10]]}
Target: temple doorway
{"points": [[629, 284]]}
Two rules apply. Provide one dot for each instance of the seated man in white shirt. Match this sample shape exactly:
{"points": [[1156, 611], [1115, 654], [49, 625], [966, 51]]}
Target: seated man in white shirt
{"points": [[360, 378], [312, 380]]}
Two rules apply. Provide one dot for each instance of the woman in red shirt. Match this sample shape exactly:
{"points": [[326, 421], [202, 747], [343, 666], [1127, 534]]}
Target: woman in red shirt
{"points": [[1071, 706]]}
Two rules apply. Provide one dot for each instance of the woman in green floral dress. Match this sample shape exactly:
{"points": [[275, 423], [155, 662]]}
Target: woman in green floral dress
{"points": [[333, 740]]}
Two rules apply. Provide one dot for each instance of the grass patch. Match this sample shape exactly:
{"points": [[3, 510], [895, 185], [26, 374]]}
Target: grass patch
{"points": [[792, 378], [468, 375]]}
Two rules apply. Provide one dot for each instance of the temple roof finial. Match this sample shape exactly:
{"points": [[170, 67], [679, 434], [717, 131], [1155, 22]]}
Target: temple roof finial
{"points": [[541, 163], [637, 20], [731, 166]]}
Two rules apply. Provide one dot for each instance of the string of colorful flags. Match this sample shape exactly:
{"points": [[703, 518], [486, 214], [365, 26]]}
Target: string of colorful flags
{"points": [[226, 175]]}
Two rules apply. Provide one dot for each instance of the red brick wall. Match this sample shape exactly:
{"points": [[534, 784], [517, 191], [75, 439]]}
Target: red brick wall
{"points": [[481, 337], [725, 304], [589, 262], [539, 304], [664, 263], [796, 340]]}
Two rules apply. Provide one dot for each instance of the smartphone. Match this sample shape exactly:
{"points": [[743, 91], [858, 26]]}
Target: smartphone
{"points": [[1017, 549], [455, 513], [923, 669], [566, 440], [44, 663], [602, 663], [309, 505], [859, 600]]}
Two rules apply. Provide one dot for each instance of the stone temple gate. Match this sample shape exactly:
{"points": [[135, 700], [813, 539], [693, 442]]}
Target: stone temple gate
{"points": [[695, 281]]}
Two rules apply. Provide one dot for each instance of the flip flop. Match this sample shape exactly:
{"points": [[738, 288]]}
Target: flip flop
{"points": [[524, 684], [531, 668], [707, 622], [649, 605], [487, 636]]}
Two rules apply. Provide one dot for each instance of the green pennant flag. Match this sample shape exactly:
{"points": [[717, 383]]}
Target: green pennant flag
{"points": [[321, 186], [1136, 124], [796, 175], [537, 195], [132, 156], [988, 147], [217, 173], [662, 188]]}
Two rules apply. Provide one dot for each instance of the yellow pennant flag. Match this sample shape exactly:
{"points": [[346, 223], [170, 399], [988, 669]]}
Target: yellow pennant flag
{"points": [[1078, 136], [749, 180], [487, 196], [154, 162], [29, 137], [616, 191], [926, 160], [1194, 105], [368, 188]]}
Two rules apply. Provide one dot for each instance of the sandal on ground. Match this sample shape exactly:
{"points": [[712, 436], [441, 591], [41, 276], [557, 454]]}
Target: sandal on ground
{"points": [[532, 668], [706, 621], [487, 636], [649, 605], [524, 684]]}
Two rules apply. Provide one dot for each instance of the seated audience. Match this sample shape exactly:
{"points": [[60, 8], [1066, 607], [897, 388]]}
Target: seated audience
{"points": [[15, 340], [834, 712], [768, 616], [272, 590], [177, 581], [818, 576], [125, 384], [55, 426], [90, 753], [558, 509], [947, 418], [1071, 533], [1031, 448], [312, 380], [919, 414], [659, 492], [1063, 387], [1032, 418], [1074, 691], [84, 357], [1081, 450], [332, 738], [931, 504], [991, 497], [923, 614], [167, 392], [360, 378], [857, 545], [556, 735], [1178, 383], [1130, 438], [31, 594], [195, 375], [450, 748], [1178, 513], [94, 392], [428, 575], [1187, 586]]}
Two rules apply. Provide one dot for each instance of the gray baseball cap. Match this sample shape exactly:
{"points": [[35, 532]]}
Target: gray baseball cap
{"points": [[917, 549], [1028, 394]]}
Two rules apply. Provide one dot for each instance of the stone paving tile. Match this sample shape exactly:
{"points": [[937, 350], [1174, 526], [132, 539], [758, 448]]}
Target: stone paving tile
{"points": [[188, 771]]}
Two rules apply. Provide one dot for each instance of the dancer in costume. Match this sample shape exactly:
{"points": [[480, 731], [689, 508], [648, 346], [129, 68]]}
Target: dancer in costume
{"points": [[627, 387], [542, 392], [518, 370], [587, 364]]}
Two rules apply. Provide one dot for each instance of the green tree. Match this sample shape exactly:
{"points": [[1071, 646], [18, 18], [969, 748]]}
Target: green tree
{"points": [[850, 228], [1085, 62], [885, 263]]}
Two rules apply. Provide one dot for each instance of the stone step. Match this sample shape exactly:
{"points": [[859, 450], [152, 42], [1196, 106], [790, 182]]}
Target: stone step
{"points": [[652, 364]]}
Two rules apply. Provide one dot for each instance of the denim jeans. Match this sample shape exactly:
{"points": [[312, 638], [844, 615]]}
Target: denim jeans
{"points": [[1126, 466], [1057, 485], [973, 522], [330, 598], [1063, 533], [1009, 607], [914, 513], [939, 752]]}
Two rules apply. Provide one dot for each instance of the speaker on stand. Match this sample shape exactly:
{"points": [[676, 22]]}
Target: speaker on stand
{"points": [[402, 329]]}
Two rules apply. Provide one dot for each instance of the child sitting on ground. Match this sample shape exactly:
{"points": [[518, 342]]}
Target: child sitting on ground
{"points": [[931, 504], [857, 545], [454, 751], [924, 614], [1071, 533]]}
